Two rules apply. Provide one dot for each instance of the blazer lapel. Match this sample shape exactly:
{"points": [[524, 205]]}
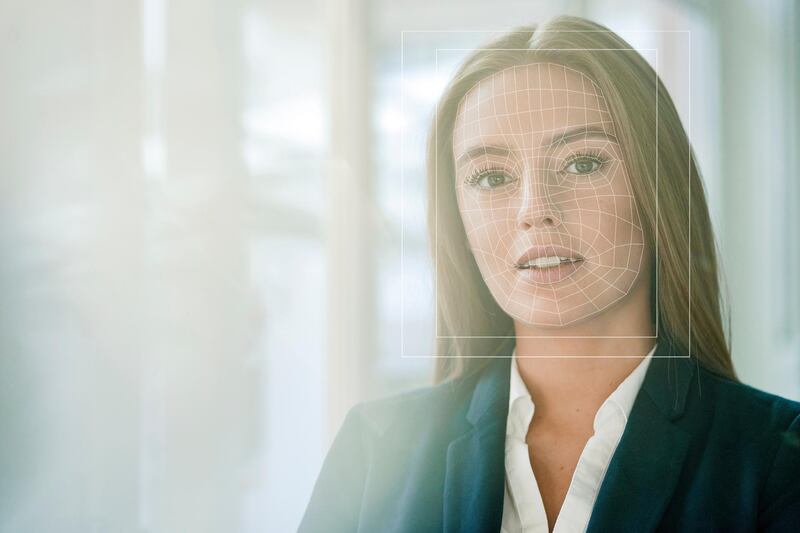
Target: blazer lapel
{"points": [[473, 489], [644, 470]]}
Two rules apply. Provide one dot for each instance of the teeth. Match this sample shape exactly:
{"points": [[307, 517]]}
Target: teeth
{"points": [[547, 262]]}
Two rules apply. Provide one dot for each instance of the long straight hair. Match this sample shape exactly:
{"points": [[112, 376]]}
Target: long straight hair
{"points": [[471, 326]]}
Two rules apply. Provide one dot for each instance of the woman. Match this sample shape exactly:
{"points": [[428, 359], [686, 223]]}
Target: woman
{"points": [[574, 391]]}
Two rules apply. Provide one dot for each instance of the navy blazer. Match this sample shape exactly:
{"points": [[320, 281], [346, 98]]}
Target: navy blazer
{"points": [[699, 453]]}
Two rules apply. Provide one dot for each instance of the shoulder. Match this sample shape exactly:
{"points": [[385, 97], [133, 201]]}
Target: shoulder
{"points": [[378, 443], [759, 427], [420, 407], [734, 400]]}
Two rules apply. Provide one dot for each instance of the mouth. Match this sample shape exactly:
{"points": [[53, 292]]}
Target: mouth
{"points": [[548, 264], [543, 257], [541, 263]]}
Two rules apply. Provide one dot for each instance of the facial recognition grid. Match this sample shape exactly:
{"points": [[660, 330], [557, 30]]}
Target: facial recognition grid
{"points": [[571, 188]]}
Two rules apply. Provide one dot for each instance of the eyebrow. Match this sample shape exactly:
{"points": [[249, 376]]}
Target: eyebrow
{"points": [[560, 137]]}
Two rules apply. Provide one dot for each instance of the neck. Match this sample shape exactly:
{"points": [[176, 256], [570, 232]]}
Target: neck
{"points": [[575, 368]]}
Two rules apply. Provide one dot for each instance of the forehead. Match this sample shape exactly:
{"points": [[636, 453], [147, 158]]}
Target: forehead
{"points": [[530, 100]]}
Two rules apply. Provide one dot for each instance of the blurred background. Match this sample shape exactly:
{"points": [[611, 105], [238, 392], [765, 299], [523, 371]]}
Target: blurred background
{"points": [[212, 231]]}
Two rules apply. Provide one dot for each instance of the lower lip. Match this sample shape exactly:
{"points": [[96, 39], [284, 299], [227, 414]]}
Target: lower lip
{"points": [[550, 275]]}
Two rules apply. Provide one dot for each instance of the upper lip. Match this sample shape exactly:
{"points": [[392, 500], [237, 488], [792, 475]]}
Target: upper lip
{"points": [[546, 251]]}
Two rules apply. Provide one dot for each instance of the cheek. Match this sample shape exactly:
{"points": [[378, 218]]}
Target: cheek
{"points": [[602, 221], [470, 218], [486, 216], [480, 209], [615, 216], [620, 232], [618, 217]]}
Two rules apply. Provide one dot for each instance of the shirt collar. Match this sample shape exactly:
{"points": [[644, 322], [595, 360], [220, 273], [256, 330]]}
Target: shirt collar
{"points": [[521, 406]]}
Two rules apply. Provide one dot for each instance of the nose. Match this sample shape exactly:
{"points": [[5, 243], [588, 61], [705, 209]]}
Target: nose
{"points": [[537, 209]]}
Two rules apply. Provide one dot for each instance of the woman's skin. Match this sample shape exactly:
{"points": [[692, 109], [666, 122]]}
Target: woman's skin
{"points": [[574, 193]]}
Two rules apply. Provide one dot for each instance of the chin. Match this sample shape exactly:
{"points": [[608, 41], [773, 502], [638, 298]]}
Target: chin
{"points": [[550, 318]]}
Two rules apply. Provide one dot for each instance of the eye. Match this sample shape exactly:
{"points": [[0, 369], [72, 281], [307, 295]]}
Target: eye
{"points": [[584, 164], [489, 179]]}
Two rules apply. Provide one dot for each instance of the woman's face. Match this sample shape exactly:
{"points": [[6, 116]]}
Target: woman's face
{"points": [[544, 195]]}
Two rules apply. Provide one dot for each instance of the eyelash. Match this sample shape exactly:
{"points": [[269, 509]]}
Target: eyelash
{"points": [[473, 178], [590, 153]]}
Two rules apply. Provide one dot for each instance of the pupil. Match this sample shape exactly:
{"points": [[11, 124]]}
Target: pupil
{"points": [[583, 165]]}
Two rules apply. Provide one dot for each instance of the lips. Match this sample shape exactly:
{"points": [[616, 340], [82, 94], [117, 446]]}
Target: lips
{"points": [[551, 250]]}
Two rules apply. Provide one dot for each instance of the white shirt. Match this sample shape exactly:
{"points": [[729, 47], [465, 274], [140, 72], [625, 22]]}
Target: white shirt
{"points": [[523, 509]]}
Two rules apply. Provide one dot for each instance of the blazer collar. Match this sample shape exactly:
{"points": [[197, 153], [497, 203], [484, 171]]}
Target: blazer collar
{"points": [[475, 470], [490, 396], [642, 472], [666, 382]]}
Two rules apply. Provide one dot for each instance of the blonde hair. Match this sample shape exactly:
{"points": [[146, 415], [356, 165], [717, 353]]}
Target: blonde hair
{"points": [[471, 326]]}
